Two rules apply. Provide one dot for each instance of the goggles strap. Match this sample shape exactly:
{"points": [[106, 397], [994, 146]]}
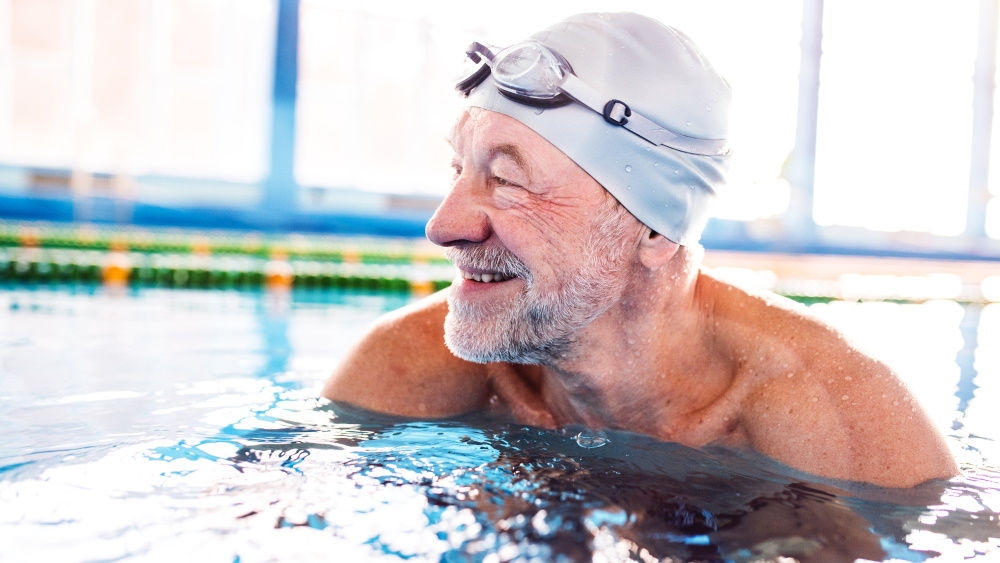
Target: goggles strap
{"points": [[647, 129], [619, 113]]}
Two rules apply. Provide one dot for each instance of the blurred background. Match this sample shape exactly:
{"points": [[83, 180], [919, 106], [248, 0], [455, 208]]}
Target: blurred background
{"points": [[299, 144], [860, 128]]}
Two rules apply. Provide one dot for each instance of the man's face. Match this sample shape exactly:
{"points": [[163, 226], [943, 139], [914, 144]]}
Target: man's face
{"points": [[541, 247]]}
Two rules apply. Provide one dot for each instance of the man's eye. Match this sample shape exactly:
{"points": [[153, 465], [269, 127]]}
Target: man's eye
{"points": [[503, 181]]}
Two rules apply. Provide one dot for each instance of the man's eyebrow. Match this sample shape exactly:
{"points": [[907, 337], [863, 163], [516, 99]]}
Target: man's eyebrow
{"points": [[510, 151]]}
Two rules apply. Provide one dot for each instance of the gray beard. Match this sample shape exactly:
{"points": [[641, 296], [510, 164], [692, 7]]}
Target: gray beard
{"points": [[520, 334]]}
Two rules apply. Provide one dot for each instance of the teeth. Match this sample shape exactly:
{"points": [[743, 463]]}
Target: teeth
{"points": [[485, 278]]}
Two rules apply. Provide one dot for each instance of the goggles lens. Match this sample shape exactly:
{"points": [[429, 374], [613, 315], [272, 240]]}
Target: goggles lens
{"points": [[529, 70]]}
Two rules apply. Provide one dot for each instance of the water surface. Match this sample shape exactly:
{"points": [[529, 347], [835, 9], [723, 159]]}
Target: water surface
{"points": [[158, 425]]}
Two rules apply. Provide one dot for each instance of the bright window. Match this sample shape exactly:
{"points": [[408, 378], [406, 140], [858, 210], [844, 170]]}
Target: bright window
{"points": [[179, 88], [895, 115]]}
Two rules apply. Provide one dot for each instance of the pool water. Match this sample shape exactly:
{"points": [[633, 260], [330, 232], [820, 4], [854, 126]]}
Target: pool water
{"points": [[165, 424]]}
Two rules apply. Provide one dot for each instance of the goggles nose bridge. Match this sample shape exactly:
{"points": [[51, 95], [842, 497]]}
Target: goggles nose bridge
{"points": [[482, 56], [479, 53]]}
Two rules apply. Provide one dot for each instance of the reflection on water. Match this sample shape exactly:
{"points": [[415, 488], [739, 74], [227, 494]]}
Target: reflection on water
{"points": [[980, 417], [201, 434]]}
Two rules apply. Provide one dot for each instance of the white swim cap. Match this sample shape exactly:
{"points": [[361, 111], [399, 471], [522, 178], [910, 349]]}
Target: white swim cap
{"points": [[658, 73]]}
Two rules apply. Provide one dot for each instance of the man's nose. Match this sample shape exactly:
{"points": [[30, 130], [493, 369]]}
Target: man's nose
{"points": [[460, 219]]}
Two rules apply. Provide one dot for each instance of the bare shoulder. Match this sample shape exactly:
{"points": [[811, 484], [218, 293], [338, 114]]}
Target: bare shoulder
{"points": [[402, 366], [812, 399]]}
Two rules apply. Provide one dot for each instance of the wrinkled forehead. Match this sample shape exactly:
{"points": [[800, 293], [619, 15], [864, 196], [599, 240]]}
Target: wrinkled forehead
{"points": [[487, 133]]}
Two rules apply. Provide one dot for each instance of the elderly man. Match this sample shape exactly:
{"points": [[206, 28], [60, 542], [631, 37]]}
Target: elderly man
{"points": [[584, 163]]}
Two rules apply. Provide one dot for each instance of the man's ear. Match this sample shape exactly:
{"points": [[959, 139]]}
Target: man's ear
{"points": [[656, 250]]}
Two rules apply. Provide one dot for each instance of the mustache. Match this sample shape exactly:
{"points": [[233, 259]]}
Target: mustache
{"points": [[489, 258]]}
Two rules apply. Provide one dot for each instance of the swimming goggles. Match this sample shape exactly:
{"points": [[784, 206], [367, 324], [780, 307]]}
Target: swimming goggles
{"points": [[531, 73]]}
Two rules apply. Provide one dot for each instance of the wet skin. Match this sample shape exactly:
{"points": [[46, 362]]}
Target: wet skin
{"points": [[661, 347]]}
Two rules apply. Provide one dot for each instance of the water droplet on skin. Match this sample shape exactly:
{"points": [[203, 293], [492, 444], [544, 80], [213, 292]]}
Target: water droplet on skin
{"points": [[628, 168], [844, 397], [591, 439], [848, 378], [814, 399]]}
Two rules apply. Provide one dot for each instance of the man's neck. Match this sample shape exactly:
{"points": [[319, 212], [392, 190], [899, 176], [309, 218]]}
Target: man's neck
{"points": [[644, 365]]}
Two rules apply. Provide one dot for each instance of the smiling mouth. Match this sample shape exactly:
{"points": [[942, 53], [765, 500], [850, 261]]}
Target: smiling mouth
{"points": [[490, 277]]}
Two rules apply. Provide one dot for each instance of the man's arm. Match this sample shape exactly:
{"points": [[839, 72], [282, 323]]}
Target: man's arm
{"points": [[402, 367]]}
